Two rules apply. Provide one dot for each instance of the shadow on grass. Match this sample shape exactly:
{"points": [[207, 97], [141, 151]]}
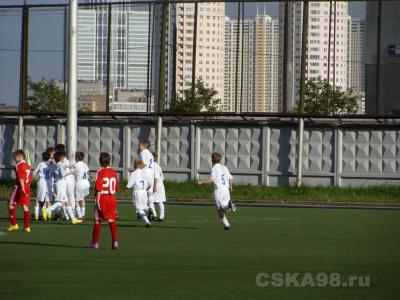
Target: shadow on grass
{"points": [[41, 244], [157, 227]]}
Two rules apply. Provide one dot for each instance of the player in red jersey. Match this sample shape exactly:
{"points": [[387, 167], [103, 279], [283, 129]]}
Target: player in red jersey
{"points": [[21, 194], [106, 201]]}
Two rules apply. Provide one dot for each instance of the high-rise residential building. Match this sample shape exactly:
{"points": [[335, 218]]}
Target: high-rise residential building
{"points": [[210, 52], [317, 46], [266, 63], [356, 66], [86, 45], [258, 85], [244, 58], [129, 51]]}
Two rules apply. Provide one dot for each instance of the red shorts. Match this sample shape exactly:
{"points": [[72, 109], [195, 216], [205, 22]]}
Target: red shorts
{"points": [[108, 209], [18, 198]]}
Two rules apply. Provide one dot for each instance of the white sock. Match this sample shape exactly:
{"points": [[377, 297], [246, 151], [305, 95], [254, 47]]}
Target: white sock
{"points": [[153, 209], [225, 221], [72, 204], [83, 211], [78, 211], [144, 217], [162, 210], [71, 213], [65, 213], [37, 210]]}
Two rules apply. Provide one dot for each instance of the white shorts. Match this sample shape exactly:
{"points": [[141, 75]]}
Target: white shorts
{"points": [[60, 191], [70, 186], [42, 192], [160, 196], [140, 199], [222, 198], [82, 189]]}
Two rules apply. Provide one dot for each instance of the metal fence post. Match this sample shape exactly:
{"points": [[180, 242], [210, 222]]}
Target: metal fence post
{"points": [[339, 157], [127, 151], [158, 137], [197, 151], [193, 153], [266, 154], [20, 141], [300, 153]]}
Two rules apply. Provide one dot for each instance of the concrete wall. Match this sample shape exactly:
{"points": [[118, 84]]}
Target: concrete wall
{"points": [[343, 154]]}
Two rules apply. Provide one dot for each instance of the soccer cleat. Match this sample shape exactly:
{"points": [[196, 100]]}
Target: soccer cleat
{"points": [[114, 245], [227, 227], [76, 221], [36, 217], [27, 229], [12, 228], [93, 246], [159, 220], [148, 225], [44, 214], [232, 206]]}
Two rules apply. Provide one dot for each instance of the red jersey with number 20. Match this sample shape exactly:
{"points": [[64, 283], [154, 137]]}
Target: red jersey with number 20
{"points": [[107, 185]]}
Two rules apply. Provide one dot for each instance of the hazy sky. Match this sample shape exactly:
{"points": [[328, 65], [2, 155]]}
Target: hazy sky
{"points": [[46, 33]]}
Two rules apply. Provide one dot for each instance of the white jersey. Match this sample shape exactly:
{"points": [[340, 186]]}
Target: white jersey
{"points": [[221, 176], [159, 196], [81, 171], [147, 158], [138, 180], [58, 172], [43, 171]]}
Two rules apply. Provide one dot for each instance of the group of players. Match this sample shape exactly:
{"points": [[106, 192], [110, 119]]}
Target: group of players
{"points": [[62, 188]]}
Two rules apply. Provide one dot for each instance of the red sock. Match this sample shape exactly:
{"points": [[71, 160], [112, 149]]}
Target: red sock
{"points": [[26, 219], [96, 233], [13, 218], [113, 229]]}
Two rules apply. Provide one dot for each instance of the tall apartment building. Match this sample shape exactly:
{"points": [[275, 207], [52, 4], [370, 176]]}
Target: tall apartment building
{"points": [[317, 46], [266, 40], [210, 56], [356, 66], [130, 34], [258, 88], [244, 58]]}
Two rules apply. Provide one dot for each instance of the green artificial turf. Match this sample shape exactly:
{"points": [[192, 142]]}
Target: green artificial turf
{"points": [[189, 191], [191, 257]]}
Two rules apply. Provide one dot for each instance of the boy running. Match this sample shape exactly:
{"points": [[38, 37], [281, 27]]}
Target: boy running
{"points": [[106, 202], [222, 180], [21, 194], [140, 184]]}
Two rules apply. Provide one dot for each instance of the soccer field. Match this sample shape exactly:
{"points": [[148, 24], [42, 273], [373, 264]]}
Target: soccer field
{"points": [[191, 257]]}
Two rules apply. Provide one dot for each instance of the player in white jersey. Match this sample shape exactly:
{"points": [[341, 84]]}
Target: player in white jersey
{"points": [[82, 184], [139, 183], [60, 193], [148, 159], [69, 178], [222, 180], [43, 191], [159, 189]]}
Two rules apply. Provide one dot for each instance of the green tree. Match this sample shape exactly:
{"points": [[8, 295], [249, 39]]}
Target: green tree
{"points": [[322, 98], [204, 99], [45, 96]]}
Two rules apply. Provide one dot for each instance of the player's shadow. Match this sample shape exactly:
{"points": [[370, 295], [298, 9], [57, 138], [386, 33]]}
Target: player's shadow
{"points": [[41, 244], [157, 227]]}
